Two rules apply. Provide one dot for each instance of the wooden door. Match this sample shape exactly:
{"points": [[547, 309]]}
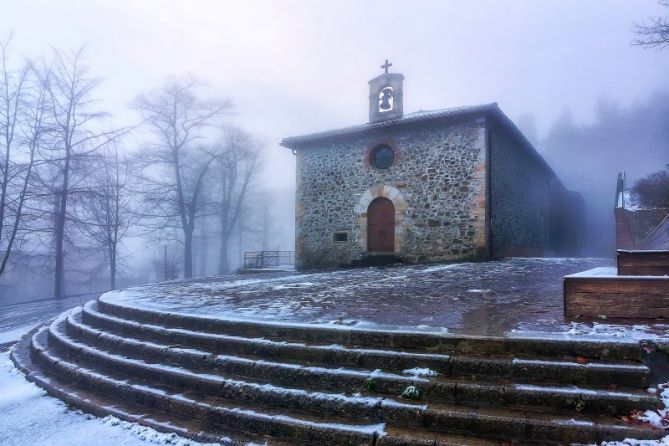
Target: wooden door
{"points": [[381, 226]]}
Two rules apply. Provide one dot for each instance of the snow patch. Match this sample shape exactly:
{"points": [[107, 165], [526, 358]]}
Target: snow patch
{"points": [[631, 442], [659, 418], [433, 269], [656, 419], [149, 435], [598, 330], [420, 371], [379, 428], [293, 286]]}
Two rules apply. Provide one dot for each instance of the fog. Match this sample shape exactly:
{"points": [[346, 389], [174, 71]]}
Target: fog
{"points": [[587, 157], [564, 71]]}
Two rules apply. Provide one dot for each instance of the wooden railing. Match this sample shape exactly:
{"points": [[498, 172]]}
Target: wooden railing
{"points": [[268, 259]]}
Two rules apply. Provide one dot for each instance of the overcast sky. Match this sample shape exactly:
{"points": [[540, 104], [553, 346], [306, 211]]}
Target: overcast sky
{"points": [[293, 67]]}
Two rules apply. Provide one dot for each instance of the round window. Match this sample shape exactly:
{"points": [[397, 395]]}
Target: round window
{"points": [[382, 156]]}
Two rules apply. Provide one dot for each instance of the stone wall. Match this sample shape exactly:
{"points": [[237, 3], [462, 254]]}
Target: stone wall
{"points": [[519, 196], [436, 183]]}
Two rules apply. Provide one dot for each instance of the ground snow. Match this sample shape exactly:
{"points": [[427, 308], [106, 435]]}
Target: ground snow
{"points": [[595, 329], [29, 417], [15, 334]]}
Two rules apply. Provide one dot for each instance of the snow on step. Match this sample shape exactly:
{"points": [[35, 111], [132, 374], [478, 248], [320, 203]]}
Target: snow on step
{"points": [[420, 371], [571, 364], [483, 416], [107, 357], [463, 364], [551, 345], [221, 358], [524, 394], [78, 370], [244, 387], [89, 308], [466, 388]]}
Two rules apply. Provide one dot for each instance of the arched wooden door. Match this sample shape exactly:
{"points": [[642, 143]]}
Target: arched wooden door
{"points": [[381, 226]]}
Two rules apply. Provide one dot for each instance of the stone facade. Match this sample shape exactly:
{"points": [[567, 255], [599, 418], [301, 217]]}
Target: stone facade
{"points": [[519, 198], [436, 184], [452, 184]]}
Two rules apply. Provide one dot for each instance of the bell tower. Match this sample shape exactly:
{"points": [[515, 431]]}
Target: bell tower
{"points": [[385, 96]]}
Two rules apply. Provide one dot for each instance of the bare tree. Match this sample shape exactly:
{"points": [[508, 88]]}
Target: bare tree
{"points": [[653, 191], [174, 167], [655, 33], [22, 127], [104, 211], [77, 133], [235, 166]]}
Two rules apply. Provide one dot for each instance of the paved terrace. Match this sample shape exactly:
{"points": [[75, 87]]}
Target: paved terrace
{"points": [[509, 297]]}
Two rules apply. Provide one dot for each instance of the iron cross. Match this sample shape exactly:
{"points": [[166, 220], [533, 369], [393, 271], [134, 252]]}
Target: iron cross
{"points": [[386, 65]]}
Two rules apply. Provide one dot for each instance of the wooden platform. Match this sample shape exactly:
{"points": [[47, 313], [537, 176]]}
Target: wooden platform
{"points": [[603, 292], [643, 263]]}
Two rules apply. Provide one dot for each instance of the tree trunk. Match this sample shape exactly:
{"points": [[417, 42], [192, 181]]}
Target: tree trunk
{"points": [[204, 251], [188, 254], [59, 286], [223, 256], [112, 270]]}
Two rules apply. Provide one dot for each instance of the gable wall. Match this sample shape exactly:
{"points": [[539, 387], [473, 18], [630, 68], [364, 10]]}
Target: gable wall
{"points": [[437, 184]]}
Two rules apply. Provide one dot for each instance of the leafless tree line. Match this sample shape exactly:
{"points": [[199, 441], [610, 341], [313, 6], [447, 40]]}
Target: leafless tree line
{"points": [[71, 190]]}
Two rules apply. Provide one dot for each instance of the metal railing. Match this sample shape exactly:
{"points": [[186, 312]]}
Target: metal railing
{"points": [[659, 237], [268, 259]]}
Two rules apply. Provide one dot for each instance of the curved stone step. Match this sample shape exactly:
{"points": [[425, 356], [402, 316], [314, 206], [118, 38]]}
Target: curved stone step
{"points": [[438, 417], [439, 388], [216, 412], [271, 425], [102, 405], [373, 408], [518, 369], [192, 428], [261, 347], [406, 340]]}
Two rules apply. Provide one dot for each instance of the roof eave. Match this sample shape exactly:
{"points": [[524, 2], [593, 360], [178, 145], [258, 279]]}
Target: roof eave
{"points": [[534, 153], [297, 141]]}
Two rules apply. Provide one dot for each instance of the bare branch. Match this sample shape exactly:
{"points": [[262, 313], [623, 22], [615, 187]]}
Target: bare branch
{"points": [[655, 33]]}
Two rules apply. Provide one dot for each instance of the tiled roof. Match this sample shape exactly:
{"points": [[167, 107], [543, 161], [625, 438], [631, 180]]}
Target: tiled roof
{"points": [[418, 116], [491, 109]]}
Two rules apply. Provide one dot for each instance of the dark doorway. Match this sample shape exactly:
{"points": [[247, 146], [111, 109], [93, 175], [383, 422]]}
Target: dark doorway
{"points": [[381, 226]]}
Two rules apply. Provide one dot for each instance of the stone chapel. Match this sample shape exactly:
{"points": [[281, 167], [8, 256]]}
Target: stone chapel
{"points": [[453, 184]]}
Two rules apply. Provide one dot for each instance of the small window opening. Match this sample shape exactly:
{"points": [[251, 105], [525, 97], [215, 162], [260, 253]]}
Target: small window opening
{"points": [[341, 236]]}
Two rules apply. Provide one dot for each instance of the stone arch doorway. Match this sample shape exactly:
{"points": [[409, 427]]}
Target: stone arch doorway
{"points": [[400, 205], [381, 225]]}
